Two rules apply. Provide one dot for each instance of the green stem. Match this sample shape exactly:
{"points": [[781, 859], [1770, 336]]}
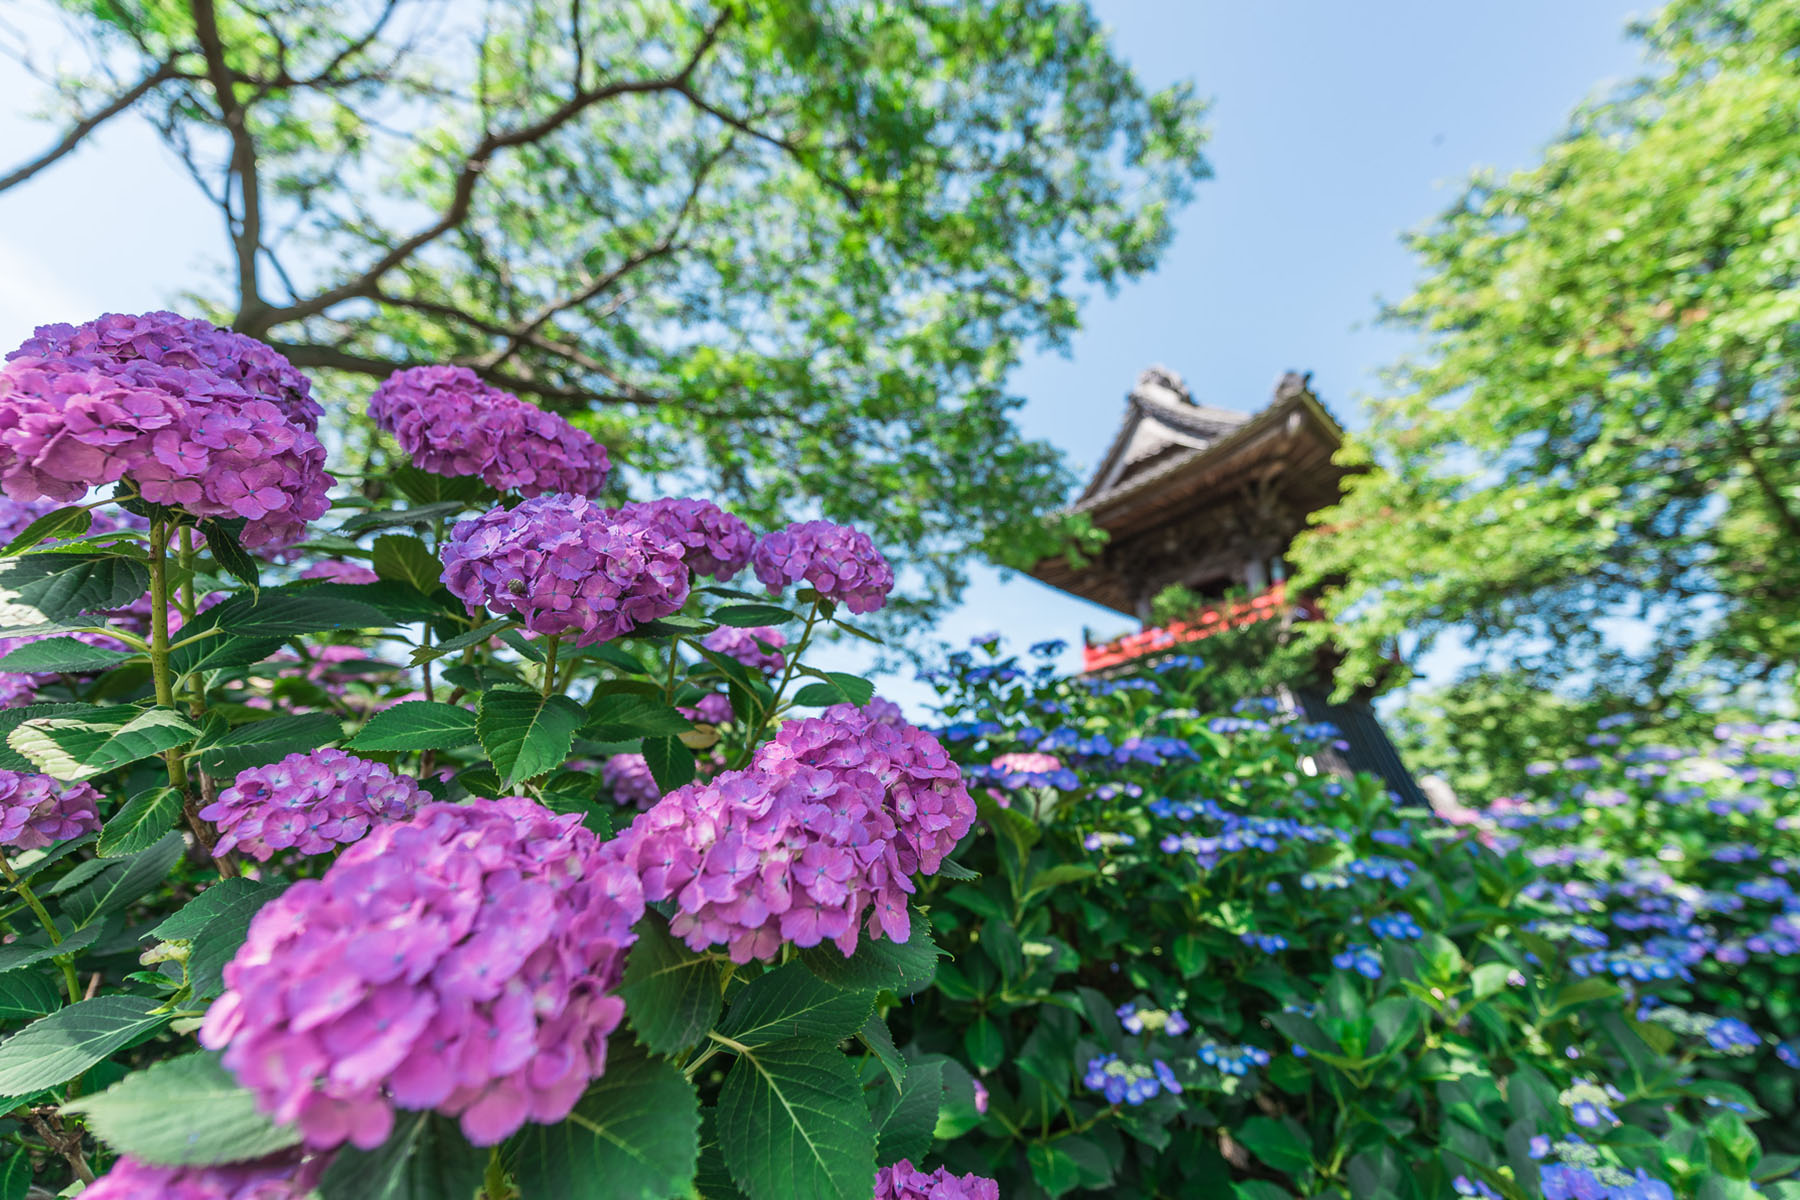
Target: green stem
{"points": [[787, 677], [674, 661], [23, 887], [551, 645], [493, 1184], [161, 673]]}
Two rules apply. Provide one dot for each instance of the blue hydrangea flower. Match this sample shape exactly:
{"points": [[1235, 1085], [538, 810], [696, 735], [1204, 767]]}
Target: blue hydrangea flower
{"points": [[1396, 925], [1364, 959]]}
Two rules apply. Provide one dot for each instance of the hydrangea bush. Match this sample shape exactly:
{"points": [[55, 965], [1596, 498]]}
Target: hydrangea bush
{"points": [[1185, 959], [459, 836]]}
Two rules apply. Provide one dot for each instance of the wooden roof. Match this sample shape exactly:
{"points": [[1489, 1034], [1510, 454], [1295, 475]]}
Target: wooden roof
{"points": [[1173, 459]]}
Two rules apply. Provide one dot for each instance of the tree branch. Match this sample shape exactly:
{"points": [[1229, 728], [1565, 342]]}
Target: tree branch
{"points": [[462, 192], [332, 358], [246, 237], [80, 129]]}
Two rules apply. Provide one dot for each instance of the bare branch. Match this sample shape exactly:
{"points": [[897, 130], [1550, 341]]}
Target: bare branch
{"points": [[333, 358], [791, 149], [80, 129], [246, 237]]}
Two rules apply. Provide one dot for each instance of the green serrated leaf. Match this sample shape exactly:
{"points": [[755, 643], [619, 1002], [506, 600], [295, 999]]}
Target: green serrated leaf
{"points": [[671, 993], [525, 734], [185, 1111], [70, 522], [426, 1157], [907, 1129], [221, 651], [35, 947], [76, 748], [213, 904], [126, 879], [746, 616], [141, 822], [1279, 1144], [49, 587], [63, 654], [417, 725], [461, 641], [791, 1002], [284, 614], [263, 742], [405, 559], [620, 717], [223, 544], [396, 518], [793, 1126], [15, 1177], [879, 963], [671, 762], [635, 1135], [27, 995], [62, 1045]]}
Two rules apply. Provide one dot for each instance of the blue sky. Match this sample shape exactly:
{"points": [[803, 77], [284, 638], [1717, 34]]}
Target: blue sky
{"points": [[1335, 128]]}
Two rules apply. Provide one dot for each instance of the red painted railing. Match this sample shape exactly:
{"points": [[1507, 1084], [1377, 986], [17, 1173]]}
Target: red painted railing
{"points": [[1203, 624]]}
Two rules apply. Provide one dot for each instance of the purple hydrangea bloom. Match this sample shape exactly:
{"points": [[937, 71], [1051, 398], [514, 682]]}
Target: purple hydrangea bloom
{"points": [[463, 961], [196, 418], [333, 571], [830, 821], [628, 777], [885, 712], [841, 563], [710, 540], [566, 567], [37, 811], [168, 340], [452, 423], [903, 1181], [714, 708], [285, 1176], [741, 644], [309, 803]]}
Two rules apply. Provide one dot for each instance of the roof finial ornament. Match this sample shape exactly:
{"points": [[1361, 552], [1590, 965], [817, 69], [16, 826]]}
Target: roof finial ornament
{"points": [[1162, 383], [1293, 383]]}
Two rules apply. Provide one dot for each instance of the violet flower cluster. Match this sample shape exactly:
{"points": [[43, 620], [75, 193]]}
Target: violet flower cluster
{"points": [[451, 422], [566, 567], [196, 418], [830, 821], [37, 811], [842, 564], [742, 644], [629, 779], [710, 540], [1129, 1083], [284, 1176], [310, 803], [903, 1181], [463, 961]]}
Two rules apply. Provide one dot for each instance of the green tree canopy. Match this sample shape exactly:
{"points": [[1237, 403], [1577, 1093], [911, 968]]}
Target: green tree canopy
{"points": [[782, 252], [1601, 421]]}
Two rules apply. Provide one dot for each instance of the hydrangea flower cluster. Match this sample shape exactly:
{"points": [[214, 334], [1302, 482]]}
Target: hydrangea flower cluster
{"points": [[566, 567], [333, 571], [1028, 769], [842, 564], [197, 418], [451, 422], [1268, 943], [1129, 1083], [462, 960], [629, 779], [280, 1177], [714, 708], [37, 811], [1152, 1020], [741, 644], [1232, 1060], [1590, 1104], [1398, 926], [710, 540], [1572, 1181], [1360, 957], [903, 1181], [310, 803], [832, 818]]}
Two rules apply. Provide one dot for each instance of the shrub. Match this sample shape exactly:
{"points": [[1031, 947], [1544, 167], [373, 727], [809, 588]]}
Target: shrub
{"points": [[1188, 963], [338, 812]]}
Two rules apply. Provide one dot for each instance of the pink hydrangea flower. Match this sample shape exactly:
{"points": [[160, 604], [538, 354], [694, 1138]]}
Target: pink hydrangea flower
{"points": [[828, 824], [451, 422], [630, 781], [309, 803], [567, 567], [877, 709], [741, 644], [37, 811], [710, 540], [841, 563], [463, 960], [903, 1181], [285, 1176], [164, 403]]}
